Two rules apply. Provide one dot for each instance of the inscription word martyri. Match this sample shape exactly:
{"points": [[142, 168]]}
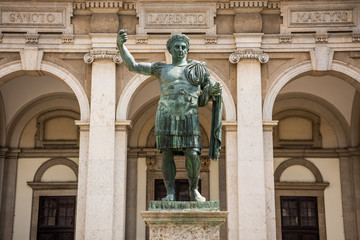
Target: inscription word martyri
{"points": [[176, 18], [331, 16], [31, 18]]}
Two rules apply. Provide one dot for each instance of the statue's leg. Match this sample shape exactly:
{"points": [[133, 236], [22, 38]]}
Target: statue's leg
{"points": [[168, 171], [193, 171]]}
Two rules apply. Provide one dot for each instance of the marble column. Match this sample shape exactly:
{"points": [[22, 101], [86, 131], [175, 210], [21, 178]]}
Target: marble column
{"points": [[356, 172], [82, 178], [2, 172], [120, 171], [100, 184], [269, 179], [251, 164], [131, 194], [231, 179], [8, 194], [348, 195]]}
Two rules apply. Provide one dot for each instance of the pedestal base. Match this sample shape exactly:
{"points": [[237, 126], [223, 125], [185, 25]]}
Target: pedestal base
{"points": [[184, 220]]}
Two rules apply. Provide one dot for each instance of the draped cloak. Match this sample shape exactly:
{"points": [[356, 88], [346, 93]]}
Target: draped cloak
{"points": [[177, 119]]}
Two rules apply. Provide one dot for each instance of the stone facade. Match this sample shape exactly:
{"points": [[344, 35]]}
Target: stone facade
{"points": [[290, 74]]}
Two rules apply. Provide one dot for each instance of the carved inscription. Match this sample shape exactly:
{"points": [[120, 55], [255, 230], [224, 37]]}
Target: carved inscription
{"points": [[324, 17], [177, 18], [43, 18]]}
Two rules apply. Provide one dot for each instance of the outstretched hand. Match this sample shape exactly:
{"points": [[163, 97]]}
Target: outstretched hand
{"points": [[121, 37]]}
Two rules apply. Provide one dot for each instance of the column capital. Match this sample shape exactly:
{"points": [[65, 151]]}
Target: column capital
{"points": [[83, 125], [238, 55], [3, 152], [13, 153], [269, 125], [102, 54], [123, 125], [230, 126]]}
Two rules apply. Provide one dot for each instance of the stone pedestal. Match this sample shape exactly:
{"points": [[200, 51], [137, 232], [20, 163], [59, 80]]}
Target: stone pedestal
{"points": [[184, 220]]}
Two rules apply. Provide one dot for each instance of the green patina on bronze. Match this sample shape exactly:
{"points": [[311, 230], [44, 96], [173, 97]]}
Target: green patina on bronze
{"points": [[185, 85]]}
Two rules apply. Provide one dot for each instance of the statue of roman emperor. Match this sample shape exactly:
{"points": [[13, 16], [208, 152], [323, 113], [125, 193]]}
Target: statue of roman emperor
{"points": [[185, 85]]}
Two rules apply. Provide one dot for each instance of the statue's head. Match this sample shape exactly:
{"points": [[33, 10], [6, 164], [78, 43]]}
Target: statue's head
{"points": [[177, 37]]}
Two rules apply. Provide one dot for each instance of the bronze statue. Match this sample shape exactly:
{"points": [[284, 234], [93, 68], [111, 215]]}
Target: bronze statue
{"points": [[185, 85]]}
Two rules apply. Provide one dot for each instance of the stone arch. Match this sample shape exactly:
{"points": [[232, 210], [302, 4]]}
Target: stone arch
{"points": [[355, 121], [320, 106], [139, 79], [59, 72], [53, 162], [301, 162], [26, 113], [295, 71]]}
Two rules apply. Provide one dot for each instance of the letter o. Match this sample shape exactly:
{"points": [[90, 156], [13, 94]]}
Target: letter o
{"points": [[201, 18], [50, 18], [36, 17]]}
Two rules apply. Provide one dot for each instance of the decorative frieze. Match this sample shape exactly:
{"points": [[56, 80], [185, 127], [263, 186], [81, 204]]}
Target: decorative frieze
{"points": [[97, 4], [285, 38], [355, 37], [319, 18], [142, 39], [37, 18], [265, 4], [238, 55], [129, 6], [210, 39], [102, 54], [248, 4], [321, 38], [104, 5], [176, 17], [67, 39], [32, 38]]}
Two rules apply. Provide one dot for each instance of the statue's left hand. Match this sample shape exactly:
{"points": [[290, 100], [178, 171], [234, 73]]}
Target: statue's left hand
{"points": [[216, 89]]}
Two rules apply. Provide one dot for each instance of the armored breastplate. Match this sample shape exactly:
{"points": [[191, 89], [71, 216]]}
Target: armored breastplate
{"points": [[179, 97]]}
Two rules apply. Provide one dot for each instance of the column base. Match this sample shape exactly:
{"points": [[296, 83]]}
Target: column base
{"points": [[184, 220]]}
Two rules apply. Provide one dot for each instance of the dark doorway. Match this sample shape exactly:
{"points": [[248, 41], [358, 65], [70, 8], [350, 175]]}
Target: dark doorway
{"points": [[299, 218], [56, 218]]}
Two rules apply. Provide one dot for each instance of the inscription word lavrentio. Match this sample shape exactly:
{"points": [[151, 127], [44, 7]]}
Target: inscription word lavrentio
{"points": [[176, 18], [31, 18], [322, 17]]}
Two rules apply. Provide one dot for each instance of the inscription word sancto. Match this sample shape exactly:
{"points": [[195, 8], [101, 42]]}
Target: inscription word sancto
{"points": [[31, 18], [176, 18], [323, 17]]}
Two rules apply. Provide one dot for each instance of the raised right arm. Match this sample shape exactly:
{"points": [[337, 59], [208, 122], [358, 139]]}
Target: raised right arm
{"points": [[128, 59]]}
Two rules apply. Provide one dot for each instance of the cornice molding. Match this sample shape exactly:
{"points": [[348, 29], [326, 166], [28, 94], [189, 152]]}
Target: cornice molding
{"points": [[104, 5], [264, 4], [97, 4]]}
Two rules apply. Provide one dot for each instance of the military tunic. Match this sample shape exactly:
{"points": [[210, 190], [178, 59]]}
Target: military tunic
{"points": [[182, 92]]}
